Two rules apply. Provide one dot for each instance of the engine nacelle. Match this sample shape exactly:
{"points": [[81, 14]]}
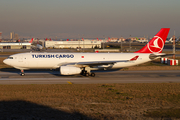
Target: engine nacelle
{"points": [[69, 70]]}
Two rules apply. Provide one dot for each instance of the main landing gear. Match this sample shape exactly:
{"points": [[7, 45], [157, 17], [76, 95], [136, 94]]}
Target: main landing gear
{"points": [[22, 73], [87, 74]]}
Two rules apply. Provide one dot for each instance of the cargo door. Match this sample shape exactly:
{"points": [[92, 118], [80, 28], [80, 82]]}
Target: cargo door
{"points": [[22, 61]]}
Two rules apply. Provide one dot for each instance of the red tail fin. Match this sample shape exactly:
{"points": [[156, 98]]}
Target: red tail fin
{"points": [[109, 39], [31, 40], [156, 44]]}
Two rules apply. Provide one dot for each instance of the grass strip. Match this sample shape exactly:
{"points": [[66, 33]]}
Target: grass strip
{"points": [[100, 101], [164, 113]]}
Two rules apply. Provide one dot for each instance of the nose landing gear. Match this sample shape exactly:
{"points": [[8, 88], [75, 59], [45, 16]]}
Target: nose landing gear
{"points": [[22, 73]]}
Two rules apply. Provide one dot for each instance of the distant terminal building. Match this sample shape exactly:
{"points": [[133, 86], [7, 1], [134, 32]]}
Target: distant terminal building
{"points": [[121, 39], [113, 39], [15, 45], [85, 43], [133, 38], [142, 38]]}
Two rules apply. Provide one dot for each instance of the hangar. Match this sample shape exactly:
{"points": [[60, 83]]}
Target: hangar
{"points": [[73, 44], [15, 45]]}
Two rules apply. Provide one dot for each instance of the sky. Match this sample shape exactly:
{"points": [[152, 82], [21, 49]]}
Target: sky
{"points": [[88, 18]]}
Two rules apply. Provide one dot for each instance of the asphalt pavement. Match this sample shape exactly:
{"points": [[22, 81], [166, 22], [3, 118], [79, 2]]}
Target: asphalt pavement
{"points": [[53, 77]]}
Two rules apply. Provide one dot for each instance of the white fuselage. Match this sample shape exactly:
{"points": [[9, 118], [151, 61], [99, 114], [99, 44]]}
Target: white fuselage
{"points": [[55, 60]]}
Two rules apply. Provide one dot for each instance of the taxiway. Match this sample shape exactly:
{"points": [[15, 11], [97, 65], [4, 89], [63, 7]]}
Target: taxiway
{"points": [[53, 77]]}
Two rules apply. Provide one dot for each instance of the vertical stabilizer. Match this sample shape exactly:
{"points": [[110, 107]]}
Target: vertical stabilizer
{"points": [[31, 40], [156, 44]]}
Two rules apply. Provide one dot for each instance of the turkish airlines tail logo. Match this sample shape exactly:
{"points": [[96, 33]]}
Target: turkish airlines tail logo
{"points": [[156, 44]]}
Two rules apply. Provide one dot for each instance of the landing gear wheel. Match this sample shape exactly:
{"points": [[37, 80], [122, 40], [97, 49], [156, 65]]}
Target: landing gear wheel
{"points": [[22, 74], [87, 74], [82, 72], [93, 74]]}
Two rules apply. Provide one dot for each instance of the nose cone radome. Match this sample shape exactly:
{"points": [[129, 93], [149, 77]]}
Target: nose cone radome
{"points": [[5, 62]]}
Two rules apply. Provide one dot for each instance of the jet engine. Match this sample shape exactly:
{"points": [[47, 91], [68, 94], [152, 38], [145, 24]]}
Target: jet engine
{"points": [[69, 70]]}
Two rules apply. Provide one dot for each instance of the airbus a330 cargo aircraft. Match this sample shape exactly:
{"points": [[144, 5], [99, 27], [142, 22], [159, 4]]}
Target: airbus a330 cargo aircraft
{"points": [[84, 63]]}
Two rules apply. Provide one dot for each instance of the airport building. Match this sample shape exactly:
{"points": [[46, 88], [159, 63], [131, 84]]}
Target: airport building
{"points": [[16, 36], [15, 45], [73, 44], [12, 35]]}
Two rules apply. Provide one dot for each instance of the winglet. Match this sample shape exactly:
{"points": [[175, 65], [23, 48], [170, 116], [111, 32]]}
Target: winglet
{"points": [[134, 58]]}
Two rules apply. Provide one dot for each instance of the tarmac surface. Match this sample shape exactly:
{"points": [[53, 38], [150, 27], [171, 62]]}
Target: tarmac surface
{"points": [[53, 77]]}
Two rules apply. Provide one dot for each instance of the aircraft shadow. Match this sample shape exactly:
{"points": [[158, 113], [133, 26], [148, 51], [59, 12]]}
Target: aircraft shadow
{"points": [[9, 70], [54, 72], [14, 70], [24, 110]]}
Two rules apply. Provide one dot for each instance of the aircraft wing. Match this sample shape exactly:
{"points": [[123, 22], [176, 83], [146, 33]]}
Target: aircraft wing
{"points": [[91, 64], [95, 63]]}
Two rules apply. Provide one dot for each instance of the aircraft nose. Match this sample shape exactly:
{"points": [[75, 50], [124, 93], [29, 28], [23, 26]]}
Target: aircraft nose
{"points": [[5, 61]]}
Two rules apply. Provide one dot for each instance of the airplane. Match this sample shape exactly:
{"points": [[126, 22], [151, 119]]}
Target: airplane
{"points": [[141, 41], [48, 39], [37, 47], [86, 63], [170, 40]]}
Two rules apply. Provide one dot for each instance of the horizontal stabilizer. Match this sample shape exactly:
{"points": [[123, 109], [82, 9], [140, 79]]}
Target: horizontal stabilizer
{"points": [[155, 56]]}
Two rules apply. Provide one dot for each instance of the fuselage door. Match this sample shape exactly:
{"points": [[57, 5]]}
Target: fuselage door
{"points": [[20, 58]]}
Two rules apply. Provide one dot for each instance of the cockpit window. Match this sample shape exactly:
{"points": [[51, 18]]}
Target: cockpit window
{"points": [[10, 57]]}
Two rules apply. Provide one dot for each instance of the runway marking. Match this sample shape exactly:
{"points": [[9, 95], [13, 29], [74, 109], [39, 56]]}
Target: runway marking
{"points": [[69, 82]]}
